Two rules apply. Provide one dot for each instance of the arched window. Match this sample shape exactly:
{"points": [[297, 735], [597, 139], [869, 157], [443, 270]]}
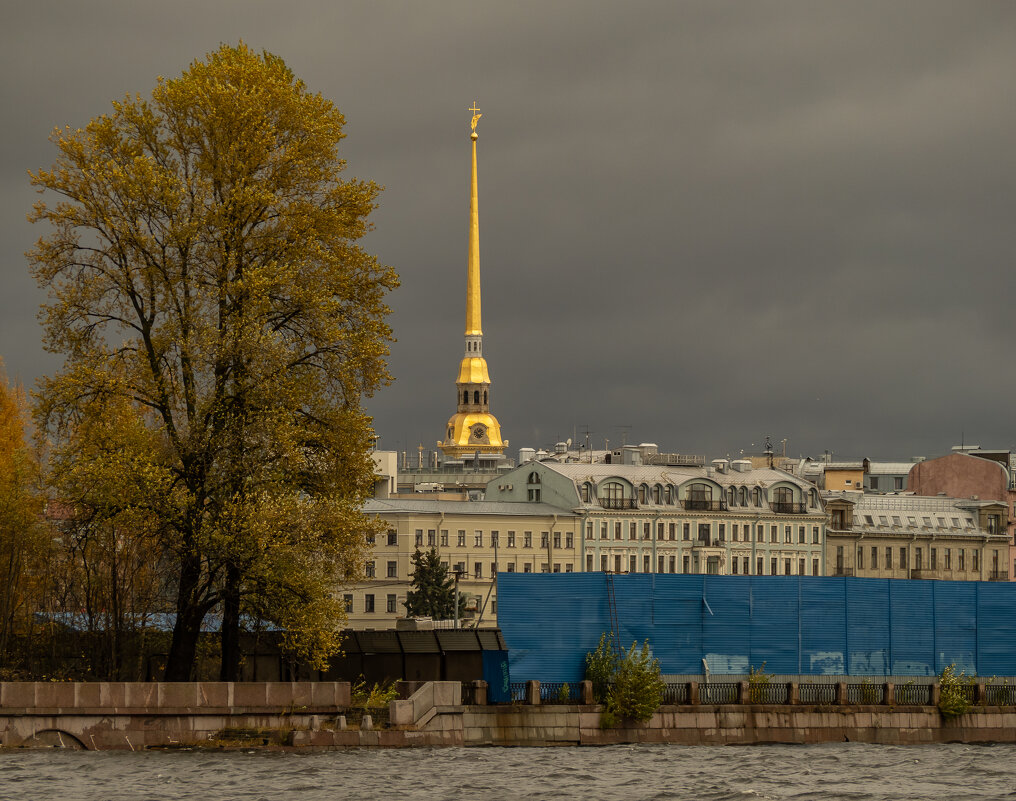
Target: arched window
{"points": [[643, 493], [657, 490], [586, 492], [668, 494], [484, 396], [476, 396], [814, 497], [612, 495], [783, 499], [451, 432], [730, 496], [700, 496], [465, 396], [534, 478], [756, 496], [743, 496]]}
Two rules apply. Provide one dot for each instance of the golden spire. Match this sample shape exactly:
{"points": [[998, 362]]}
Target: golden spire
{"points": [[473, 322]]}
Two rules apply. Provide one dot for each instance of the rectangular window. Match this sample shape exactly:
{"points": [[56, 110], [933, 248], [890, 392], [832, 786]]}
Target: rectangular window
{"points": [[786, 567], [617, 531], [603, 531], [557, 539], [874, 482], [685, 565], [934, 558], [393, 537], [860, 557], [393, 570], [759, 562], [801, 535], [444, 537], [962, 554], [589, 563], [673, 564], [632, 564], [391, 604], [703, 532], [735, 532], [800, 567], [898, 483], [948, 558], [814, 567], [493, 569], [569, 540], [478, 539], [814, 535], [568, 568], [368, 570], [527, 567], [632, 530], [772, 567], [368, 603], [721, 531], [774, 534], [557, 567], [646, 530], [659, 564], [788, 534], [589, 531], [544, 538], [687, 534], [646, 565], [975, 560], [603, 562], [347, 600], [527, 539], [918, 562], [874, 558], [461, 538], [511, 536], [371, 538], [903, 558], [733, 566], [431, 537], [477, 569], [494, 539], [419, 538], [510, 567], [659, 532], [888, 558], [672, 532]]}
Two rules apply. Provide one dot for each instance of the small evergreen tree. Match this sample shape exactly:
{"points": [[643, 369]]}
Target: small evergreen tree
{"points": [[433, 593]]}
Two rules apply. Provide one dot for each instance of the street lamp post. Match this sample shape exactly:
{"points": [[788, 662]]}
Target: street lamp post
{"points": [[458, 574]]}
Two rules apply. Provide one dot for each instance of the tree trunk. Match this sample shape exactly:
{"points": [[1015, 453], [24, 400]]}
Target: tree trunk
{"points": [[189, 614], [230, 668]]}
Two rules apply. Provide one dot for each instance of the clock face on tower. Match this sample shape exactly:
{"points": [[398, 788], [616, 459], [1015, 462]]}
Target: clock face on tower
{"points": [[478, 432]]}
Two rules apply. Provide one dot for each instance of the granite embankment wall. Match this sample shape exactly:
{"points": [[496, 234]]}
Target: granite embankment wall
{"points": [[105, 716]]}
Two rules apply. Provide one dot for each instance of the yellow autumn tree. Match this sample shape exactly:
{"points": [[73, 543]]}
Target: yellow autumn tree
{"points": [[23, 540], [202, 265]]}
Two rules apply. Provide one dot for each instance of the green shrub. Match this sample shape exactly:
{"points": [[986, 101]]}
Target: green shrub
{"points": [[953, 699], [758, 680], [378, 696], [601, 665], [637, 689]]}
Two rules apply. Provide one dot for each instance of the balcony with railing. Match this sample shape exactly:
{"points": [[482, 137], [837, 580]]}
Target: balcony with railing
{"points": [[789, 507], [703, 505], [619, 503], [998, 575]]}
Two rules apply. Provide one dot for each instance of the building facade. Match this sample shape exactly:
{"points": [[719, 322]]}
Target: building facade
{"points": [[907, 536], [729, 519]]}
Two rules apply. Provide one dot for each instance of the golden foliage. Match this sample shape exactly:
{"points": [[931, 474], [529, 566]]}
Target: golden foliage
{"points": [[204, 275]]}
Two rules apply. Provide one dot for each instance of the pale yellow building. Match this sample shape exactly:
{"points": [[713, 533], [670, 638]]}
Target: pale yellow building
{"points": [[909, 536], [479, 539]]}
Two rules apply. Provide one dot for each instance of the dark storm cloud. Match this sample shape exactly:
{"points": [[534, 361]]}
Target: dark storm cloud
{"points": [[707, 221]]}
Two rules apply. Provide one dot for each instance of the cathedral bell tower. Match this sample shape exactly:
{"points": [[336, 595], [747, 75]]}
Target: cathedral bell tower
{"points": [[473, 428]]}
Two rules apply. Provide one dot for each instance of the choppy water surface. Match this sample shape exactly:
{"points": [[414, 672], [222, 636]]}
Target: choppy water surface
{"points": [[837, 771]]}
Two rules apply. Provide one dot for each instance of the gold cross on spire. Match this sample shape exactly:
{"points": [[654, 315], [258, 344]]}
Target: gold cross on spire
{"points": [[476, 115]]}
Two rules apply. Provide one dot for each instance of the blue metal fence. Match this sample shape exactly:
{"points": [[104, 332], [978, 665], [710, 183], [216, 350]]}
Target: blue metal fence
{"points": [[795, 625]]}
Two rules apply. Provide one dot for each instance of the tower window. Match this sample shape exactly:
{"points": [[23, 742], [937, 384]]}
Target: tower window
{"points": [[476, 396], [484, 396], [465, 396]]}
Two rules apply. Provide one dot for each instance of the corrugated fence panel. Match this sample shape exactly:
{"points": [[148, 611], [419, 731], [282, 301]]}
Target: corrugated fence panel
{"points": [[794, 625], [955, 625], [774, 623], [996, 630], [823, 642], [867, 625], [912, 616]]}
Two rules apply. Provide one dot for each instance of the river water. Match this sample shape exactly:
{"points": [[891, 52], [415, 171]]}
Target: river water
{"points": [[831, 771]]}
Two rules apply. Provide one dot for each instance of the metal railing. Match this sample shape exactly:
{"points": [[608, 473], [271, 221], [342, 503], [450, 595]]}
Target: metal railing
{"points": [[789, 507], [768, 693], [719, 692], [998, 575], [700, 505], [675, 693], [913, 694], [866, 693], [559, 692], [1000, 694], [817, 693], [517, 692]]}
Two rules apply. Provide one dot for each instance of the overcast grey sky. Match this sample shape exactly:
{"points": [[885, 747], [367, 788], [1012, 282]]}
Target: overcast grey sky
{"points": [[707, 221]]}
